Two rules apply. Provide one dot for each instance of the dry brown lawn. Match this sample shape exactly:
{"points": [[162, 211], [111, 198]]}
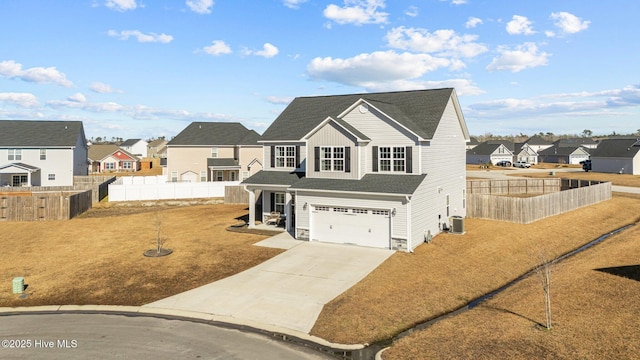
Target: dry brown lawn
{"points": [[595, 314], [98, 257], [615, 179], [410, 288]]}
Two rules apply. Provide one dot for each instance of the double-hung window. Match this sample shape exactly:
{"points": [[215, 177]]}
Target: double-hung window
{"points": [[392, 158], [15, 154], [285, 156], [279, 202], [331, 158], [43, 154], [214, 152]]}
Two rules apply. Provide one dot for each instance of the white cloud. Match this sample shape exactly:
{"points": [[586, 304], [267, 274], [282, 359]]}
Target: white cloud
{"points": [[293, 4], [377, 67], [279, 100], [24, 100], [141, 37], [268, 51], [463, 86], [121, 5], [473, 22], [200, 6], [77, 97], [357, 12], [412, 11], [443, 42], [522, 57], [102, 88], [520, 25], [217, 47], [569, 23], [38, 75]]}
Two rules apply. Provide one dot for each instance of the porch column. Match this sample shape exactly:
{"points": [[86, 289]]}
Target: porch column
{"points": [[287, 210], [252, 208]]}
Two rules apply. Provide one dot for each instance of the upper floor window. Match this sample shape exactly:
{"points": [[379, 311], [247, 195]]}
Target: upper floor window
{"points": [[331, 158], [214, 152], [15, 154], [285, 156], [43, 154], [392, 158]]}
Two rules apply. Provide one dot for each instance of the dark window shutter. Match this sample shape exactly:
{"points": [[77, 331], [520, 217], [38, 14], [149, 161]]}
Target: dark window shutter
{"points": [[409, 155], [374, 164], [347, 159], [316, 159], [297, 156], [273, 201], [273, 156]]}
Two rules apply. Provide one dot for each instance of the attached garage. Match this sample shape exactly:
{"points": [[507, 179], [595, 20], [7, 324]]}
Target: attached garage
{"points": [[358, 226]]}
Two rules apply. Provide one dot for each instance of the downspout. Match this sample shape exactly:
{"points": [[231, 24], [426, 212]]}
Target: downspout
{"points": [[409, 221]]}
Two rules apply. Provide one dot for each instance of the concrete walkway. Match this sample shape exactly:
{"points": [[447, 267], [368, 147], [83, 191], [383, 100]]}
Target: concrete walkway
{"points": [[287, 291]]}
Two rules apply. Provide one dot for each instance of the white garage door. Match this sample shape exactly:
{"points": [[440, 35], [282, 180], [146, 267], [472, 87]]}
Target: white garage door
{"points": [[365, 227]]}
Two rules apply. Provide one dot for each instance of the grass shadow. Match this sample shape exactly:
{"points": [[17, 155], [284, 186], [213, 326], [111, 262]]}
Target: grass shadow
{"points": [[506, 311], [630, 272]]}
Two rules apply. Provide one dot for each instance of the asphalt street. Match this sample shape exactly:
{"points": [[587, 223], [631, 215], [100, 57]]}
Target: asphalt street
{"points": [[97, 336]]}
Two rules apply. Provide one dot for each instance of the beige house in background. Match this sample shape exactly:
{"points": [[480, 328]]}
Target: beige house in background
{"points": [[213, 151]]}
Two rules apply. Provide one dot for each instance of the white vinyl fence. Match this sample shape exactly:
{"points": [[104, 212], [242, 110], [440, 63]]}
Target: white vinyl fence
{"points": [[133, 188]]}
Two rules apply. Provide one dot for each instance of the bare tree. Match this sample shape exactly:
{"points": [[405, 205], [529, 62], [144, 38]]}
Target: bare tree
{"points": [[544, 273], [160, 240]]}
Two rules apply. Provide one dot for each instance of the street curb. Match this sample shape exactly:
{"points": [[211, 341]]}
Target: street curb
{"points": [[280, 333]]}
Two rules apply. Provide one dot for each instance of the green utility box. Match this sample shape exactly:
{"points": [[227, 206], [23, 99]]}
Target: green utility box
{"points": [[18, 285]]}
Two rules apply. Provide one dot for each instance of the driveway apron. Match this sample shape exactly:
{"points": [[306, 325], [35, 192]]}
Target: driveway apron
{"points": [[288, 291]]}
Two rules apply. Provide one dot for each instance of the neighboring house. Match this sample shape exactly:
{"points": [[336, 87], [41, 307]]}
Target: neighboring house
{"points": [[111, 158], [383, 170], [617, 156], [537, 143], [473, 142], [41, 153], [213, 151], [157, 148], [585, 142], [489, 153], [136, 147], [564, 155], [524, 152]]}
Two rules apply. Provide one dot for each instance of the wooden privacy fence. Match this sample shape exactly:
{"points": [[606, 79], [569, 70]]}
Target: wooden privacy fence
{"points": [[99, 186], [50, 205], [513, 186], [236, 195], [525, 210]]}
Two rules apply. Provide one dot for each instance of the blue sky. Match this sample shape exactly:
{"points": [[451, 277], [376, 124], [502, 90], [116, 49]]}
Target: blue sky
{"points": [[147, 68]]}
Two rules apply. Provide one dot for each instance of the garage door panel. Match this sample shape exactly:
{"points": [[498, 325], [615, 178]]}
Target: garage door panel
{"points": [[365, 228]]}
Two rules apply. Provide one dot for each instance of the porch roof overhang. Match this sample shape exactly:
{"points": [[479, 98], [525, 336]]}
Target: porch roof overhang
{"points": [[374, 184], [222, 164], [273, 179], [20, 167]]}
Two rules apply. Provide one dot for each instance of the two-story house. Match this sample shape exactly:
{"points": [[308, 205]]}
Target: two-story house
{"points": [[382, 170], [213, 151], [41, 153], [136, 147]]}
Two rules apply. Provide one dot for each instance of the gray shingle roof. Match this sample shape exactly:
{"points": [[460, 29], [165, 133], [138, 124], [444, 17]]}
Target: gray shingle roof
{"points": [[537, 140], [215, 133], [274, 178], [370, 183], [419, 110], [573, 142], [29, 133], [625, 148], [485, 148], [561, 150], [222, 162], [129, 142]]}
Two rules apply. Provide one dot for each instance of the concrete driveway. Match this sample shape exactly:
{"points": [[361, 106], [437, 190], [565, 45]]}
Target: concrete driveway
{"points": [[287, 291]]}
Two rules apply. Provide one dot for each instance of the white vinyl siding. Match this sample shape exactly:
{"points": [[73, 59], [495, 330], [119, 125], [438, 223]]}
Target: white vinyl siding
{"points": [[334, 137]]}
